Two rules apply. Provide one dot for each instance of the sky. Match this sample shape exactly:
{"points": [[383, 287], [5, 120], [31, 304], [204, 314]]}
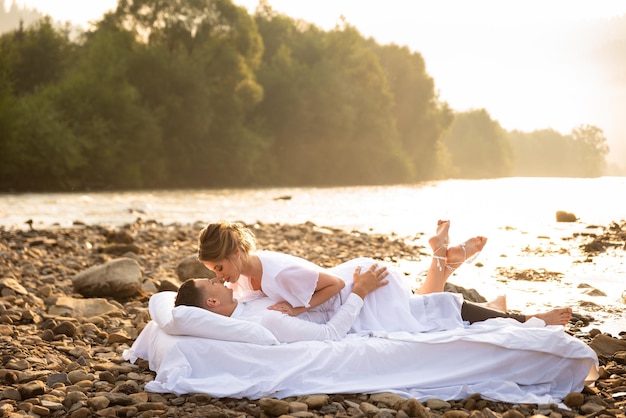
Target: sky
{"points": [[497, 55]]}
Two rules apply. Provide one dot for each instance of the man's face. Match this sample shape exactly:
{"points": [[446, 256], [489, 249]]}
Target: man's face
{"points": [[214, 289], [224, 270]]}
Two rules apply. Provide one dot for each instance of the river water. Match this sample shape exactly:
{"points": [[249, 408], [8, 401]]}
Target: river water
{"points": [[517, 214]]}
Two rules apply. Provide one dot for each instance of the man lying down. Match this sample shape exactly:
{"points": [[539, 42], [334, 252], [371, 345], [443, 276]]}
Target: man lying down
{"points": [[513, 359], [327, 303], [228, 346], [376, 301]]}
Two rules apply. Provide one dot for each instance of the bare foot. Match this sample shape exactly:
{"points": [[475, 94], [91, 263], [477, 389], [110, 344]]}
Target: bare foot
{"points": [[460, 253], [499, 303], [439, 241], [558, 316]]}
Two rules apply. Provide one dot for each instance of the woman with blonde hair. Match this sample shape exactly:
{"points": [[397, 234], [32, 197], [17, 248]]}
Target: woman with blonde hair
{"points": [[296, 284]]}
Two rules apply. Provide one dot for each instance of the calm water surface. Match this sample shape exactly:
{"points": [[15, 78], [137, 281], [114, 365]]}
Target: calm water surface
{"points": [[478, 204]]}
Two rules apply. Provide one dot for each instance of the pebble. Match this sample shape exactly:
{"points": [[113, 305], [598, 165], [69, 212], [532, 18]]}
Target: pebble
{"points": [[61, 345], [437, 404]]}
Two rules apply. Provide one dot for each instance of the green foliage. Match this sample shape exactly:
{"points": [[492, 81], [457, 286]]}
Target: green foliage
{"points": [[197, 93], [478, 147], [8, 132], [541, 153], [121, 139], [196, 73], [48, 150], [354, 136], [326, 106], [35, 57], [420, 117], [547, 153], [592, 148], [40, 151]]}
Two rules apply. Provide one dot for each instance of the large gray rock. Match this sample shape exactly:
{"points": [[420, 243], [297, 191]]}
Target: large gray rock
{"points": [[119, 278], [191, 268]]}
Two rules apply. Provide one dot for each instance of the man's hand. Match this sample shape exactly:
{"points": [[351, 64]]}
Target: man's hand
{"points": [[286, 308], [370, 280]]}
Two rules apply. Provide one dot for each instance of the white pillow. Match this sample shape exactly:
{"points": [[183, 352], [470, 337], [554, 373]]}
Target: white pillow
{"points": [[198, 322]]}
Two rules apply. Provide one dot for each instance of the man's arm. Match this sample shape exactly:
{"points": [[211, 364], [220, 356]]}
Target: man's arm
{"points": [[290, 329]]}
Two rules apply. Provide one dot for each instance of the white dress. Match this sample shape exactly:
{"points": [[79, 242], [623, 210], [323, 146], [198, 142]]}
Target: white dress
{"points": [[390, 308], [285, 278], [395, 308]]}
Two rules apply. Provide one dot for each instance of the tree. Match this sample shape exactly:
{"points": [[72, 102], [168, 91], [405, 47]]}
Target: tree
{"points": [[8, 116], [38, 148], [478, 146], [548, 153], [120, 138], [42, 150], [196, 71], [541, 153], [326, 106], [285, 74], [421, 118], [36, 56], [592, 149]]}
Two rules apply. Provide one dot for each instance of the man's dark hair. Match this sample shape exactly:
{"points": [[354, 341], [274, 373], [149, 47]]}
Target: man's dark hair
{"points": [[188, 294]]}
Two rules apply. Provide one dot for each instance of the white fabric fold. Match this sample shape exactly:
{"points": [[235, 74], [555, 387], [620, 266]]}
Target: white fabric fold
{"points": [[501, 359]]}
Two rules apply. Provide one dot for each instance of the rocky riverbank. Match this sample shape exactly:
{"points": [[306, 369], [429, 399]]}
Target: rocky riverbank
{"points": [[61, 338]]}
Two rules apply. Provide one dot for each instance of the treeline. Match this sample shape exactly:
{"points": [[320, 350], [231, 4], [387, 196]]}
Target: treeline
{"points": [[480, 148], [191, 94]]}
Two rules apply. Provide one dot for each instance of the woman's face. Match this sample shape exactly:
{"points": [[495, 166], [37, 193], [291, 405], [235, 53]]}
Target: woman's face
{"points": [[225, 270]]}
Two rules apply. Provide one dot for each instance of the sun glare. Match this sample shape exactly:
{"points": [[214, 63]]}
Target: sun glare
{"points": [[80, 12]]}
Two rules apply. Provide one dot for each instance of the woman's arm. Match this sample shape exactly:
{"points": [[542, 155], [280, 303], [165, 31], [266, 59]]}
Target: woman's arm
{"points": [[289, 329], [327, 286]]}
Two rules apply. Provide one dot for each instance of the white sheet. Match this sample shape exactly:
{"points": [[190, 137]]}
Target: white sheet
{"points": [[501, 359]]}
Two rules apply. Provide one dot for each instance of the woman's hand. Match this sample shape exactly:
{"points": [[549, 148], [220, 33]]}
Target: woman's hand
{"points": [[286, 308], [370, 280]]}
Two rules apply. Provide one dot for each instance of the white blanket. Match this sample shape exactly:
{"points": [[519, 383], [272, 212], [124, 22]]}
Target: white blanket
{"points": [[500, 358]]}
